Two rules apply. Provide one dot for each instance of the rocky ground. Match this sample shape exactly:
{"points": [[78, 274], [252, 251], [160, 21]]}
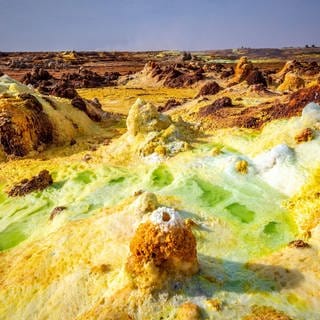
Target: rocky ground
{"points": [[160, 185]]}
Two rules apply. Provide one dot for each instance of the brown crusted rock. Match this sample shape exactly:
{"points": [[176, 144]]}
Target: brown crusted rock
{"points": [[298, 244], [210, 88], [36, 77], [56, 211], [177, 79], [170, 104], [216, 105], [9, 140], [36, 183], [174, 75], [227, 73], [64, 89], [162, 246], [94, 110], [301, 68], [256, 77], [290, 66], [186, 56], [43, 80], [304, 136], [23, 125], [31, 102], [90, 79], [299, 99], [153, 69], [79, 103]]}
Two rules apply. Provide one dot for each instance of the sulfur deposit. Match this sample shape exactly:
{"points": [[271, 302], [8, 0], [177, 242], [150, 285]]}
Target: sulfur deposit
{"points": [[291, 82], [184, 207], [156, 133]]}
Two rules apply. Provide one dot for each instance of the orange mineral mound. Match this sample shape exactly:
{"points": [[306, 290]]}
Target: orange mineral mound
{"points": [[243, 68], [162, 246]]}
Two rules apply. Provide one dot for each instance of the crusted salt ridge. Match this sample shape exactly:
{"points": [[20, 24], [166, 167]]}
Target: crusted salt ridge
{"points": [[311, 113], [277, 155], [166, 218]]}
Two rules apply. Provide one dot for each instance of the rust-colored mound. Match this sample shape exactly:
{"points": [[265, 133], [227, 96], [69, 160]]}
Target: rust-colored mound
{"points": [[23, 125], [256, 77], [174, 75], [302, 68], [162, 248], [304, 136], [25, 186], [89, 79], [170, 104], [209, 88], [299, 99], [220, 115], [224, 102], [45, 81]]}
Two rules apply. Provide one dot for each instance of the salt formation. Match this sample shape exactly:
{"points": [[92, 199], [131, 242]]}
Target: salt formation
{"points": [[144, 117], [277, 155], [291, 82], [146, 202], [166, 218], [311, 113], [277, 168], [305, 205], [29, 121], [155, 132], [290, 66], [163, 246], [243, 68]]}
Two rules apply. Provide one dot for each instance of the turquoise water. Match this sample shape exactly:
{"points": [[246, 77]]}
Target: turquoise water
{"points": [[249, 209]]}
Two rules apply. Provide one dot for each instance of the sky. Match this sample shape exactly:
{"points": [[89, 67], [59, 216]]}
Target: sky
{"points": [[43, 25]]}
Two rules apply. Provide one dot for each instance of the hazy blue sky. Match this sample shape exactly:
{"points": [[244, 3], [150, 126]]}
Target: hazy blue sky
{"points": [[152, 25]]}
